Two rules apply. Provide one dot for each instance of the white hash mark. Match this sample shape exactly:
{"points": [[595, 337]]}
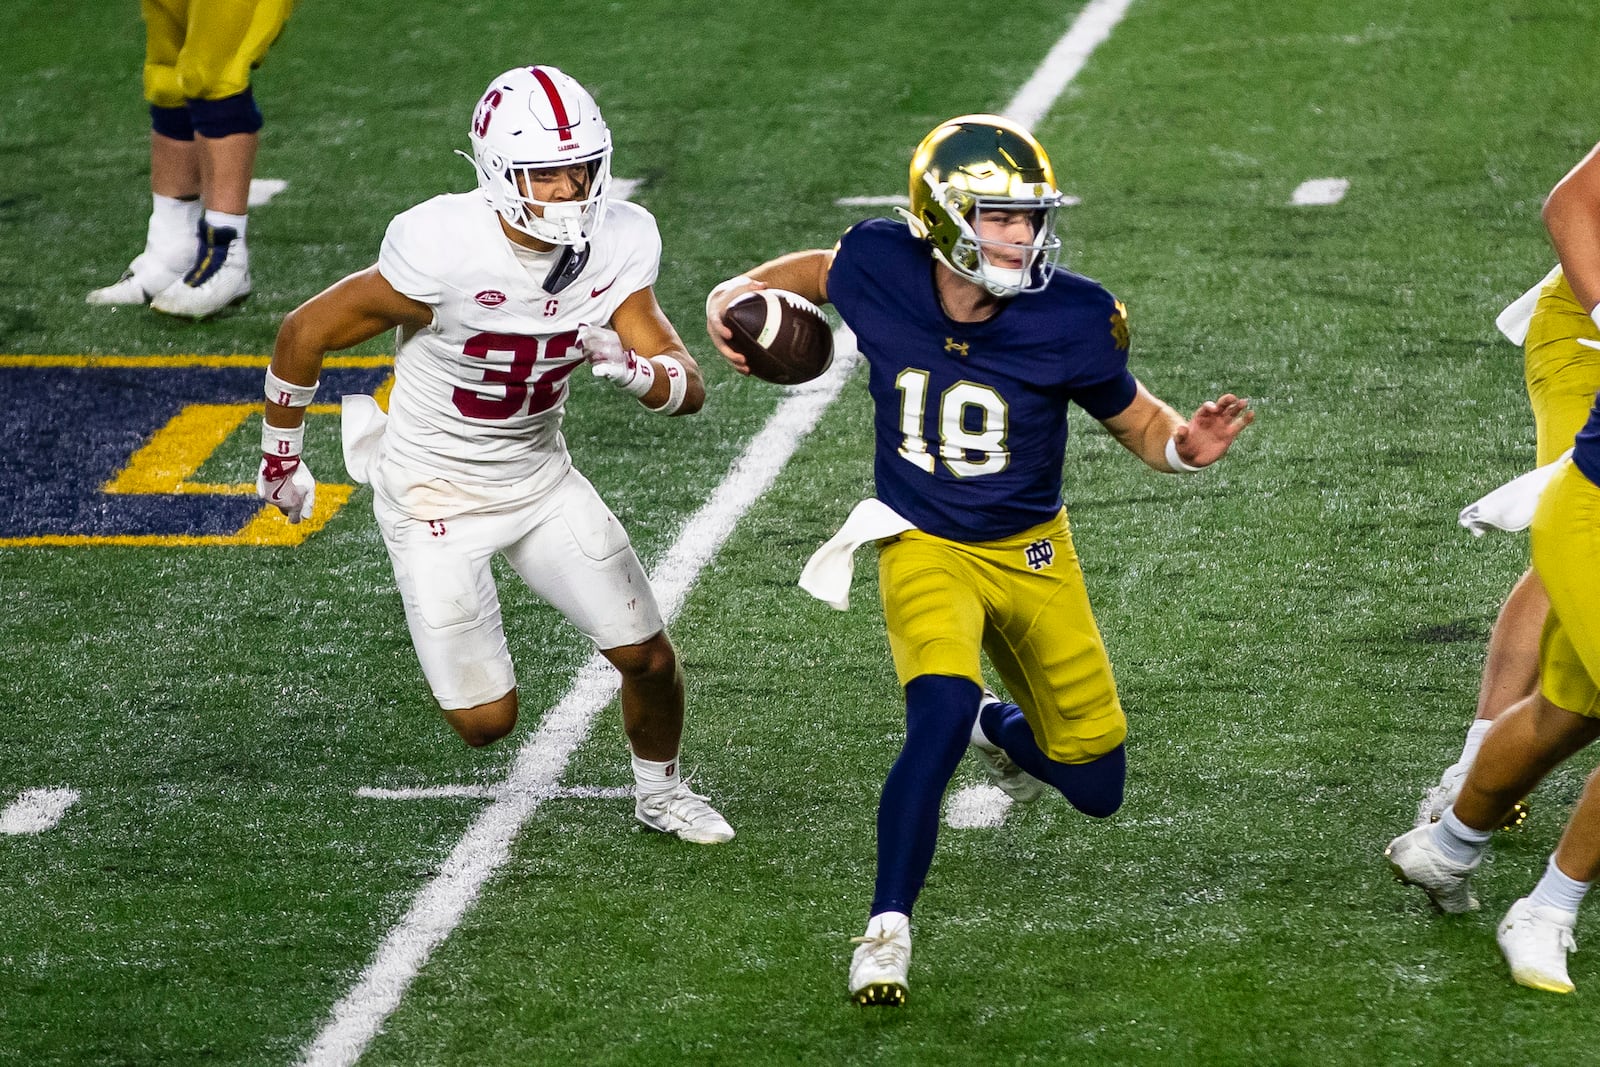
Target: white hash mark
{"points": [[36, 810]]}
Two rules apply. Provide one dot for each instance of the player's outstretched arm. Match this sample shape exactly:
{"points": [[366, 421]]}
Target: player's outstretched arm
{"points": [[1572, 215], [805, 273], [348, 312], [642, 355], [1150, 429]]}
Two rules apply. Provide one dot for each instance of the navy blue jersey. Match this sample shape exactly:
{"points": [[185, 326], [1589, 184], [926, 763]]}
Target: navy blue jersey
{"points": [[971, 418], [1586, 449]]}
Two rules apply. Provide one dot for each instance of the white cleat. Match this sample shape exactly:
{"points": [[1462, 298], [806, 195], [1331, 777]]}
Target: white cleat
{"points": [[146, 276], [219, 279], [882, 958], [683, 812], [1017, 783], [1535, 940], [1416, 860]]}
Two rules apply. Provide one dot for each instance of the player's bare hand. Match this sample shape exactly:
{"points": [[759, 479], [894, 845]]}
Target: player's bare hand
{"points": [[1209, 433], [716, 303]]}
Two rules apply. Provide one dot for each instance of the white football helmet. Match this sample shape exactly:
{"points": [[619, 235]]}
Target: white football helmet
{"points": [[536, 118]]}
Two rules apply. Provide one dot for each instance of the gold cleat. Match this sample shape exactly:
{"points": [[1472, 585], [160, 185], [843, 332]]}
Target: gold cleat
{"points": [[1516, 816], [881, 994]]}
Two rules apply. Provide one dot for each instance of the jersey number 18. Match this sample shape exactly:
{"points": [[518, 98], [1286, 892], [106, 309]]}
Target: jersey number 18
{"points": [[969, 451]]}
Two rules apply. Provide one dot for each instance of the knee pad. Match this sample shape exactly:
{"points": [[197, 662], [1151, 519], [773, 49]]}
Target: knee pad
{"points": [[230, 115], [172, 122]]}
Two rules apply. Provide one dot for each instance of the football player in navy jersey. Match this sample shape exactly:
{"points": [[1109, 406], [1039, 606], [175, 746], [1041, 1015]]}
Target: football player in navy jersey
{"points": [[976, 342]]}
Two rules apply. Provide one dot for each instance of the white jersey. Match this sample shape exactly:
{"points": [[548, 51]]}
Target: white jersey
{"points": [[479, 392]]}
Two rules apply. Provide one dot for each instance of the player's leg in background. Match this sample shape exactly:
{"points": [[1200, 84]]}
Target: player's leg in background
{"points": [[223, 43], [169, 247]]}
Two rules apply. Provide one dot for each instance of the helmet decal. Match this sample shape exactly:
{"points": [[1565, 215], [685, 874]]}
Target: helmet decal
{"points": [[563, 124]]}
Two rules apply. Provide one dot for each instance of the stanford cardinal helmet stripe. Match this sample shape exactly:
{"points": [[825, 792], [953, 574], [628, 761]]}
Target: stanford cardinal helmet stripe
{"points": [[563, 123]]}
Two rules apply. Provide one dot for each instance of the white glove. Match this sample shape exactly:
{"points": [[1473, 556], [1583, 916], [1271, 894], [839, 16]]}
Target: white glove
{"points": [[608, 359], [286, 482]]}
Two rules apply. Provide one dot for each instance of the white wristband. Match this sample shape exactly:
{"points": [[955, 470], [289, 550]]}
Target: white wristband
{"points": [[723, 287], [677, 384], [1175, 461], [282, 441], [1595, 316], [287, 394], [644, 376]]}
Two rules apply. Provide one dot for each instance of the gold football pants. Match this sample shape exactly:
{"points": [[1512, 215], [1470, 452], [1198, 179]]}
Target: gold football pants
{"points": [[1021, 600]]}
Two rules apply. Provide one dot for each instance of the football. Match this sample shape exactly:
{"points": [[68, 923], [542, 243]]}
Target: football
{"points": [[782, 336]]}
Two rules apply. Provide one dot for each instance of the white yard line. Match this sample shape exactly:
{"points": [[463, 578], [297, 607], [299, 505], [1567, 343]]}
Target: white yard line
{"points": [[36, 810], [489, 792], [539, 764], [1087, 32]]}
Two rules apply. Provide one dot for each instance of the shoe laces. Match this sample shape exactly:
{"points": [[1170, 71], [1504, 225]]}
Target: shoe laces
{"points": [[1004, 763], [886, 946], [681, 801]]}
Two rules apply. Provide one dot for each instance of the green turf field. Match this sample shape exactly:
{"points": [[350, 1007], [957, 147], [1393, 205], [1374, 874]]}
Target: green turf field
{"points": [[1297, 634]]}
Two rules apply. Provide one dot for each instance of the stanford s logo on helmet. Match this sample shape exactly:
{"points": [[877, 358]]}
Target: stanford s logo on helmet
{"points": [[537, 118], [984, 163]]}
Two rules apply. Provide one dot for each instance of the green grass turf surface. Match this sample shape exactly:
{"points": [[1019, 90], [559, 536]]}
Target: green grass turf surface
{"points": [[1297, 634]]}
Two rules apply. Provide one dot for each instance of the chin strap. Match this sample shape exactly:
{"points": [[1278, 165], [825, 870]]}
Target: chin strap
{"points": [[918, 229], [568, 266]]}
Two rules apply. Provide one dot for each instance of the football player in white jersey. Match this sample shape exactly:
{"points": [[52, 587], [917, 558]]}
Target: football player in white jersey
{"points": [[497, 297]]}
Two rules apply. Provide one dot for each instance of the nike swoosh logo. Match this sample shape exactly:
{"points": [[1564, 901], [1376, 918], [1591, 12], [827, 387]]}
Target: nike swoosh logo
{"points": [[596, 292]]}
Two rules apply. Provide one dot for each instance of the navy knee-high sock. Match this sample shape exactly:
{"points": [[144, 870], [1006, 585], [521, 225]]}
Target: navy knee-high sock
{"points": [[1094, 788], [939, 713]]}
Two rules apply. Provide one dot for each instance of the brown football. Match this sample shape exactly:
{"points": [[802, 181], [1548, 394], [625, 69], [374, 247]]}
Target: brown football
{"points": [[783, 336]]}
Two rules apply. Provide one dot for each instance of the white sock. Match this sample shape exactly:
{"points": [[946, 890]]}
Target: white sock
{"points": [[887, 921], [1556, 890], [1475, 732], [1458, 841], [171, 232], [652, 777], [218, 219]]}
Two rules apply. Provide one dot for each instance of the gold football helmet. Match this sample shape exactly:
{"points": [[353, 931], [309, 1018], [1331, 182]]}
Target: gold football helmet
{"points": [[981, 163]]}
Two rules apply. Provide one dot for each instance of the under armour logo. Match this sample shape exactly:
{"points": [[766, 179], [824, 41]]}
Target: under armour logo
{"points": [[1040, 554], [436, 527], [958, 347]]}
